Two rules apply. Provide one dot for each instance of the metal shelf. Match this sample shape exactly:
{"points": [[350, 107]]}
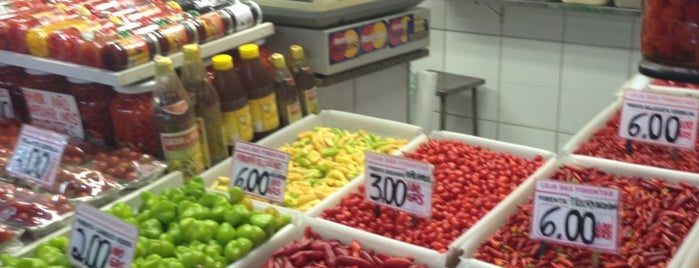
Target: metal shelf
{"points": [[135, 74], [609, 10]]}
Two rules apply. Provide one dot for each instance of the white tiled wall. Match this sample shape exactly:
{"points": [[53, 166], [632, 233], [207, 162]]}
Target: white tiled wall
{"points": [[547, 71]]}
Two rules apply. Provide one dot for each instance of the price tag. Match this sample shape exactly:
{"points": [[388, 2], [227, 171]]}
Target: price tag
{"points": [[99, 240], [399, 183], [260, 171], [659, 119], [37, 155], [576, 215]]}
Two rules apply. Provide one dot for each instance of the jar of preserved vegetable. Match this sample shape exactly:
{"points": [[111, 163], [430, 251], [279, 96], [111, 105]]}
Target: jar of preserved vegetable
{"points": [[12, 103], [44, 81], [131, 112], [670, 33], [93, 102]]}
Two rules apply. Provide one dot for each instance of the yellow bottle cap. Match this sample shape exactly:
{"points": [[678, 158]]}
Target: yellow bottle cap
{"points": [[296, 52], [222, 62], [249, 51], [191, 51], [83, 11], [278, 60], [174, 5], [162, 63]]}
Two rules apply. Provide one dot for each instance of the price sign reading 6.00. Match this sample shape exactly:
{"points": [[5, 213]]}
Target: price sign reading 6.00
{"points": [[37, 155], [659, 119], [576, 215], [260, 171], [100, 240], [400, 183]]}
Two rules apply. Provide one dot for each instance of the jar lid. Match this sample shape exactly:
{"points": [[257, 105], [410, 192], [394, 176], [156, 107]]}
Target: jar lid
{"points": [[35, 72], [74, 80], [137, 88]]}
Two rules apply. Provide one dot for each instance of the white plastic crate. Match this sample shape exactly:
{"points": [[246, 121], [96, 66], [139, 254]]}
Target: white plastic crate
{"points": [[490, 224], [326, 118], [589, 129], [425, 255], [171, 180], [329, 232]]}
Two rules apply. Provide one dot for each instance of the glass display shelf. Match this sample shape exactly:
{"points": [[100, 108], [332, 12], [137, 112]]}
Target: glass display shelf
{"points": [[607, 9], [138, 73]]}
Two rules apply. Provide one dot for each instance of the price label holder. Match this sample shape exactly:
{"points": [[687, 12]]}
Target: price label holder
{"points": [[400, 183], [260, 171], [659, 119], [99, 240], [576, 215], [37, 155]]}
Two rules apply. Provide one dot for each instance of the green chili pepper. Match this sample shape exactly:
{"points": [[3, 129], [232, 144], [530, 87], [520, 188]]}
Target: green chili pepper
{"points": [[265, 221], [164, 211], [238, 214], [235, 194], [151, 228], [256, 234], [225, 233], [121, 210]]}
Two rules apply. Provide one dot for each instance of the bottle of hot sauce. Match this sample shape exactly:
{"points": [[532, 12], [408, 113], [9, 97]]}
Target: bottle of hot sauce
{"points": [[207, 107], [305, 80], [235, 110], [259, 90], [174, 120], [287, 96]]}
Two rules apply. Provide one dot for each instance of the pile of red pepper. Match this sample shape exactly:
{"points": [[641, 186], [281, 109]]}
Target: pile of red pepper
{"points": [[606, 143], [313, 251], [468, 182], [655, 218]]}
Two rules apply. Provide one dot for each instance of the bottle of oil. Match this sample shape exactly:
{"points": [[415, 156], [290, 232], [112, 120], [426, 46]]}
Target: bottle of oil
{"points": [[259, 90], [305, 80], [237, 120], [174, 121], [207, 107], [288, 102]]}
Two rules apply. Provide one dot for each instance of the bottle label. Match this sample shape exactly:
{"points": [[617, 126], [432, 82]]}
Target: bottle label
{"points": [[54, 111], [6, 108], [182, 151], [264, 112], [311, 100], [176, 36], [177, 108], [237, 125], [203, 140], [293, 112], [213, 25], [137, 51], [243, 16]]}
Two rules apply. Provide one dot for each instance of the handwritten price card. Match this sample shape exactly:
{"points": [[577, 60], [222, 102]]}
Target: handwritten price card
{"points": [[260, 171], [37, 155], [101, 240], [659, 119], [399, 183], [576, 215]]}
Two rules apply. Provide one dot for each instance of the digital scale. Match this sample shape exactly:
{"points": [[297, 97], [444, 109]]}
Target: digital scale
{"points": [[339, 35], [326, 13]]}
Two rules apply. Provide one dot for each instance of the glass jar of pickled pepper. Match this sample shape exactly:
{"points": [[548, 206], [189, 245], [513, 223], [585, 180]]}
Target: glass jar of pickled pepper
{"points": [[93, 102], [670, 33], [131, 112]]}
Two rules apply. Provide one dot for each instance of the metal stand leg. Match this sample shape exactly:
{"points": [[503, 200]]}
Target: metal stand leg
{"points": [[442, 112], [474, 102]]}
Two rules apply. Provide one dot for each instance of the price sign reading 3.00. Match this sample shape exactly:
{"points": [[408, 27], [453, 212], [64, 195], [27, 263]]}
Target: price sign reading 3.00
{"points": [[576, 215], [37, 155], [400, 183], [659, 119], [100, 240], [260, 171]]}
